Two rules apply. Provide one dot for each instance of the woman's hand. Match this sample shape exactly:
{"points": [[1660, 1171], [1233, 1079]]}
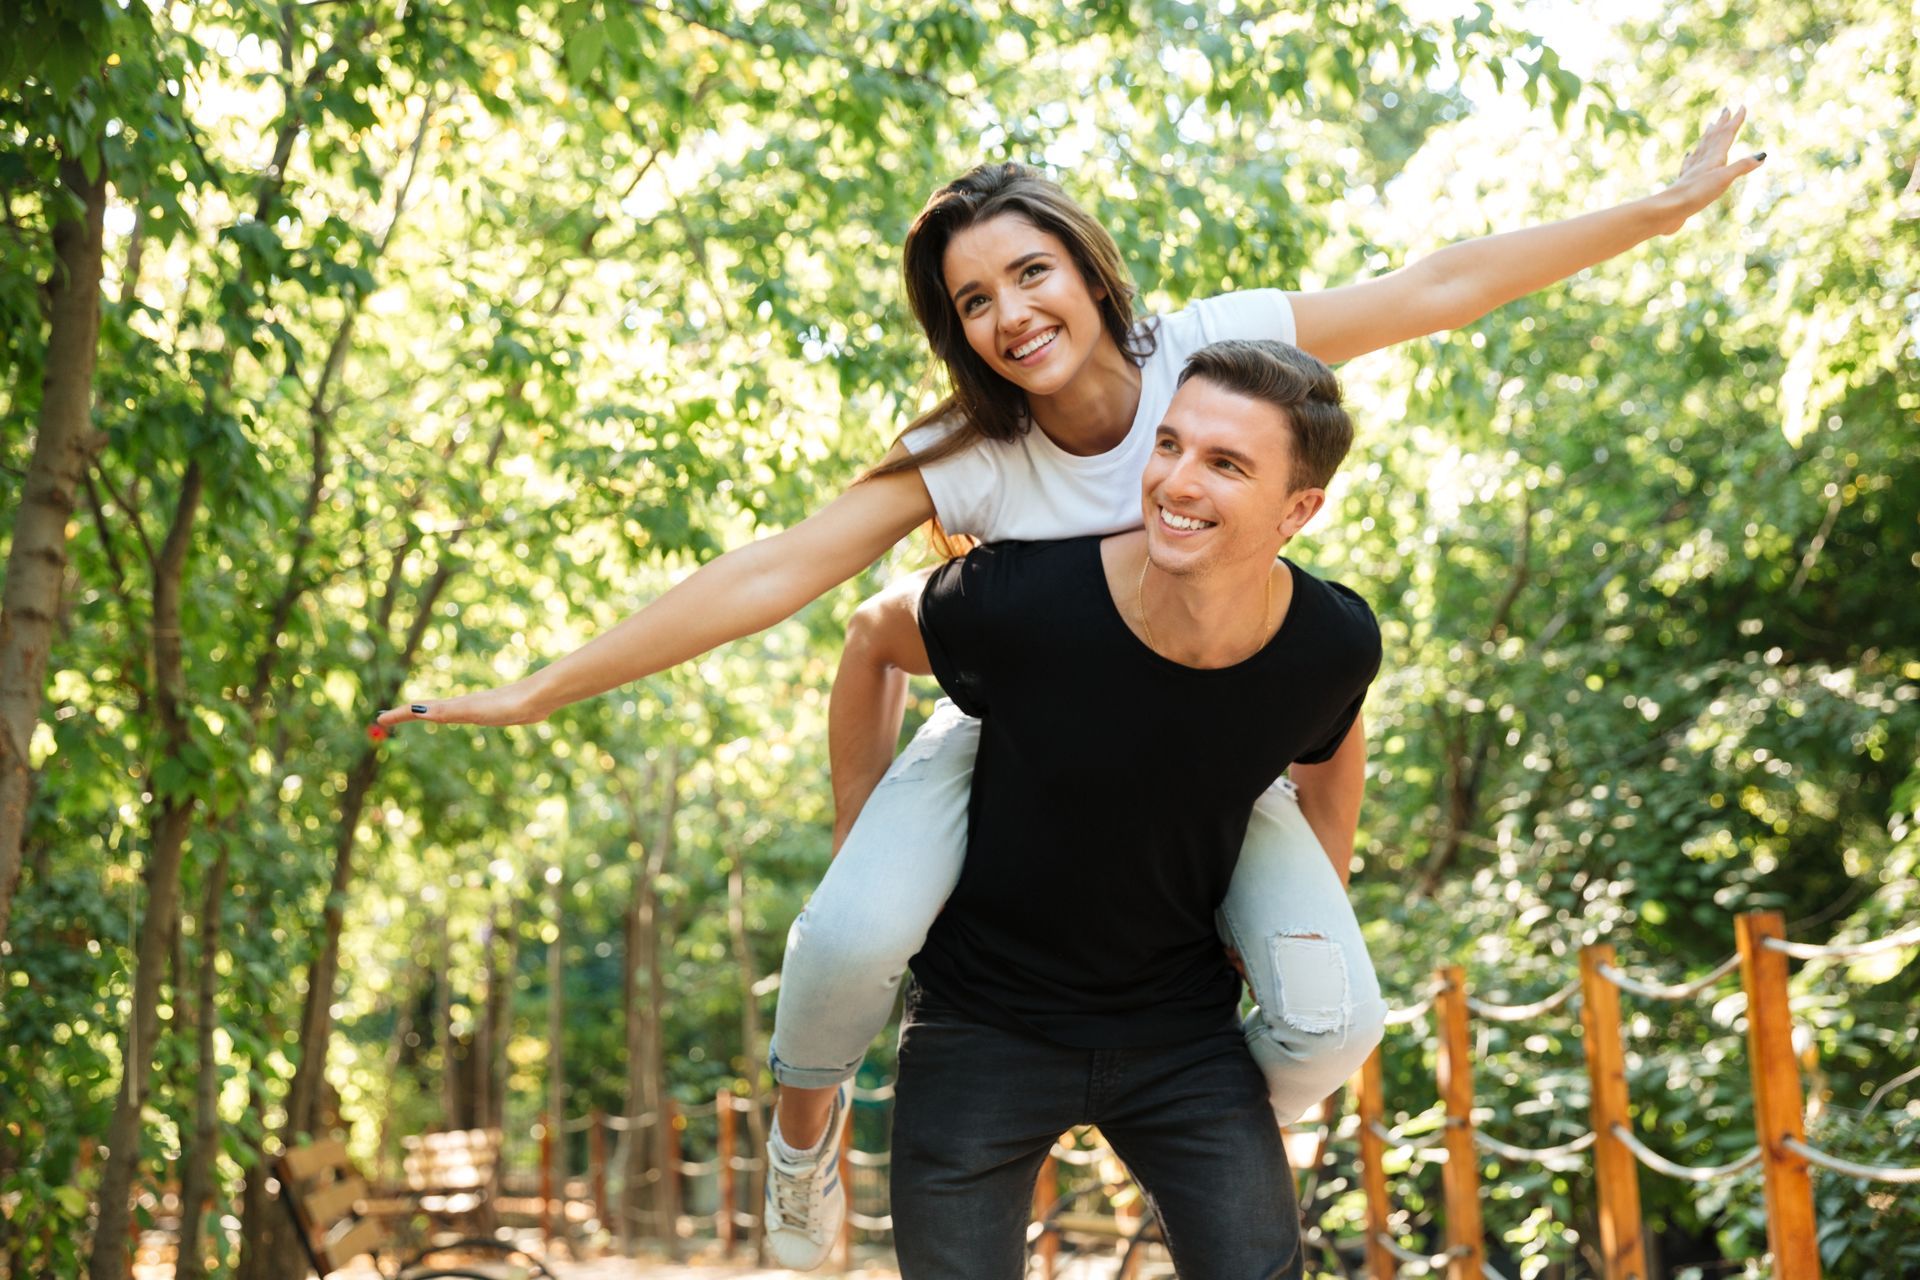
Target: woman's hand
{"points": [[746, 590], [1706, 173], [509, 704], [1463, 282]]}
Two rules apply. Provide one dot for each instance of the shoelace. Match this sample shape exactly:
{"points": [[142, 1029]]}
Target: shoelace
{"points": [[791, 1191]]}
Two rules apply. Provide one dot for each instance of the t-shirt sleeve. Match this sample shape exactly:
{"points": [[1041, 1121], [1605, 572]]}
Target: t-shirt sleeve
{"points": [[956, 624], [1249, 313], [1352, 626], [964, 486], [1324, 750]]}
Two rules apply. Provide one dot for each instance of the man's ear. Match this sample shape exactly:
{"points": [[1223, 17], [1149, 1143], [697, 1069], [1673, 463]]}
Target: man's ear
{"points": [[1302, 506]]}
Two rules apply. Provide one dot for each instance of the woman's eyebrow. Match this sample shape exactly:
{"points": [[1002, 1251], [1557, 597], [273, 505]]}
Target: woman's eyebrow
{"points": [[1015, 265]]}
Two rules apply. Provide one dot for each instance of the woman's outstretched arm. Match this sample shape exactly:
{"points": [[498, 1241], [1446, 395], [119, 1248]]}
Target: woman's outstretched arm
{"points": [[744, 591], [870, 695], [1464, 281]]}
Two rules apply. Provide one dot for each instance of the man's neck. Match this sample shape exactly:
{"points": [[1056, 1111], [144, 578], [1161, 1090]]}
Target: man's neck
{"points": [[1094, 411], [1206, 620]]}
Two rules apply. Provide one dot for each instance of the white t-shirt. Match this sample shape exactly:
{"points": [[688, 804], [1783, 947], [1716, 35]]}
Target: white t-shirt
{"points": [[1034, 490]]}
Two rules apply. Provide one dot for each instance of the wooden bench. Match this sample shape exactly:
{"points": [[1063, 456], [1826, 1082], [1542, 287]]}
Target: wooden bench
{"points": [[337, 1219], [1062, 1222], [1135, 1233], [453, 1177]]}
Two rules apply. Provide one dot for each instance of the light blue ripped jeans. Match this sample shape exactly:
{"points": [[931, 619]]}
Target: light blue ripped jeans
{"points": [[1286, 912]]}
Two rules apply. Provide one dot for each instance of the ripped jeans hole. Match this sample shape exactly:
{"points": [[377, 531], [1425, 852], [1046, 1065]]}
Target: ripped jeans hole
{"points": [[1312, 976]]}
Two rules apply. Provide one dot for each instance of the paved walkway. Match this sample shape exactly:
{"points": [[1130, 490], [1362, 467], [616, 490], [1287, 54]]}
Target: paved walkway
{"points": [[154, 1261]]}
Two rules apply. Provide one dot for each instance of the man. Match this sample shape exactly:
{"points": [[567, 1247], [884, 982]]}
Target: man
{"points": [[1137, 694]]}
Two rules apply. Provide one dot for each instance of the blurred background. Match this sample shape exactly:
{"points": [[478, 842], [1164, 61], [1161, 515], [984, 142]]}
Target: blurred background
{"points": [[353, 352]]}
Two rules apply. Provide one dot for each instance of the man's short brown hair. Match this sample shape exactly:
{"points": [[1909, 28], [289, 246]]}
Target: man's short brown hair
{"points": [[1290, 379]]}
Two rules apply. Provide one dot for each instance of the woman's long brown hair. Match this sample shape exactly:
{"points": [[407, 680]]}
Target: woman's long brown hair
{"points": [[981, 404]]}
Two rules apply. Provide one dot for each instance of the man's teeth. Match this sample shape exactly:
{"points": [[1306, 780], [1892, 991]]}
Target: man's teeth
{"points": [[1033, 344], [1173, 521]]}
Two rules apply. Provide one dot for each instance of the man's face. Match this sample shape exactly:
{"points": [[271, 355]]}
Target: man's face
{"points": [[1218, 489]]}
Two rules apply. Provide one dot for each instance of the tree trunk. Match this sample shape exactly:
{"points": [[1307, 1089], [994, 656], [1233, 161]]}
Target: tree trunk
{"points": [[256, 1238], [556, 1026], [196, 1162], [632, 1183], [750, 1045], [649, 1151], [316, 1022], [482, 1054], [63, 451], [396, 1051], [110, 1260], [666, 1197], [443, 1024], [502, 956]]}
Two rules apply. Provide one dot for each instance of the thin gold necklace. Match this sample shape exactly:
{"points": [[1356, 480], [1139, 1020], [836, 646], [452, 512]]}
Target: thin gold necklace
{"points": [[1146, 624]]}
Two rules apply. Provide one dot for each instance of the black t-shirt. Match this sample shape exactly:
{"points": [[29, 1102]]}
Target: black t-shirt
{"points": [[1113, 790]]}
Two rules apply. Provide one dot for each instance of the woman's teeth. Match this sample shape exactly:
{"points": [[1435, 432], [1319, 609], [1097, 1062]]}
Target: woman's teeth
{"points": [[1033, 344]]}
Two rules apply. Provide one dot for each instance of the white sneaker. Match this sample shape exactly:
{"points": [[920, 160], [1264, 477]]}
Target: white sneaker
{"points": [[805, 1202]]}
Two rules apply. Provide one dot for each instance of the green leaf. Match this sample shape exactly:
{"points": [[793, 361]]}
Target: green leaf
{"points": [[584, 50]]}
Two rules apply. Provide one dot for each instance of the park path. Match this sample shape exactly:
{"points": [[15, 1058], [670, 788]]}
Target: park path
{"points": [[154, 1261]]}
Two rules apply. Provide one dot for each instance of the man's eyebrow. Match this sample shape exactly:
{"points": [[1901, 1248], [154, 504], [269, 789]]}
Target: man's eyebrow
{"points": [[1244, 461], [1015, 265]]}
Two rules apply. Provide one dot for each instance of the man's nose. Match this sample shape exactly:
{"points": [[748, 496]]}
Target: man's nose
{"points": [[1182, 478]]}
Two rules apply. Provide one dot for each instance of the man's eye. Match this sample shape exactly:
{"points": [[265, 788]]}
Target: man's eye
{"points": [[1226, 465]]}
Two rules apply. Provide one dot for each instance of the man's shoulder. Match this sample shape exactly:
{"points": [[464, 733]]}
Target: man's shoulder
{"points": [[1016, 559], [1336, 605], [1010, 575]]}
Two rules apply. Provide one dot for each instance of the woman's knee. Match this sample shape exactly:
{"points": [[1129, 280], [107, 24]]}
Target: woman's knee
{"points": [[860, 936]]}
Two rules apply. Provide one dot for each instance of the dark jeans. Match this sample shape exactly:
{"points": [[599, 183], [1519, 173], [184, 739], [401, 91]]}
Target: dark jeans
{"points": [[977, 1109]]}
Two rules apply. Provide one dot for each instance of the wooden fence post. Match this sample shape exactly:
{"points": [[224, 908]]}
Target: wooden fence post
{"points": [[597, 1168], [1792, 1233], [1617, 1175], [1373, 1168], [723, 1109], [1461, 1177]]}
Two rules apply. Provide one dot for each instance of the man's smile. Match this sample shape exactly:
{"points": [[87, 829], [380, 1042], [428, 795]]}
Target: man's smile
{"points": [[1183, 524]]}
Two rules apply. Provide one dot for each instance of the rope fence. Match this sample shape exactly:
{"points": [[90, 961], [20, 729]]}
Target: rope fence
{"points": [[1647, 1156], [611, 1175], [1852, 1168], [1844, 951], [1618, 1152], [1609, 1144], [1523, 1012], [1682, 991]]}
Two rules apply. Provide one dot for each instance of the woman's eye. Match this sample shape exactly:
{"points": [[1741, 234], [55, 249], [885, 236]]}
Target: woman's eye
{"points": [[972, 304], [1031, 267]]}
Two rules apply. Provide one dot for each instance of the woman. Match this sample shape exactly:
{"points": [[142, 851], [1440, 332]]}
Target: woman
{"points": [[1057, 390]]}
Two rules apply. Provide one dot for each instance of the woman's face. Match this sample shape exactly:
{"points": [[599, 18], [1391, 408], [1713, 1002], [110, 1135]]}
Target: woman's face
{"points": [[1022, 302]]}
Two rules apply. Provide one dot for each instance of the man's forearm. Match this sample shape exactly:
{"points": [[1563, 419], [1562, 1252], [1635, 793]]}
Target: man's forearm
{"points": [[869, 702], [1330, 794], [870, 695]]}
